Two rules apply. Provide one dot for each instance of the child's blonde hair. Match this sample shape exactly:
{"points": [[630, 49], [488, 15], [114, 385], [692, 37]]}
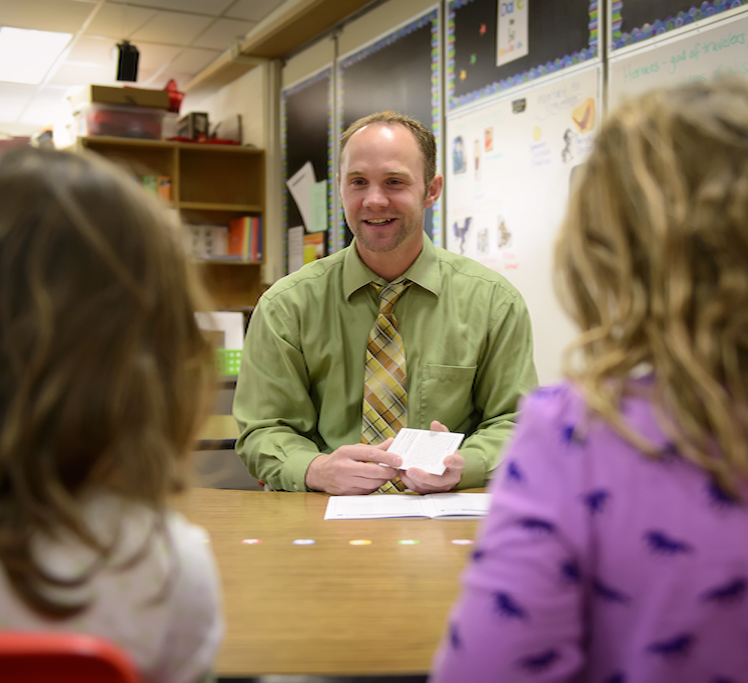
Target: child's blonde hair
{"points": [[653, 266]]}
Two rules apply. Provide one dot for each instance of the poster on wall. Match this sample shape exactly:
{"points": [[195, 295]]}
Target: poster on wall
{"points": [[307, 153], [400, 72], [496, 45], [512, 32], [510, 166]]}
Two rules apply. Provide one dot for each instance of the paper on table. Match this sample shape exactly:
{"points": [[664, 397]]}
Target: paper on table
{"points": [[425, 449], [407, 505]]}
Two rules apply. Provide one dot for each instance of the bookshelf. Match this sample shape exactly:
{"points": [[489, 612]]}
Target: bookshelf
{"points": [[210, 184]]}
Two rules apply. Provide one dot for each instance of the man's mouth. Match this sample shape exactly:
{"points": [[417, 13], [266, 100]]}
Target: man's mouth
{"points": [[379, 221]]}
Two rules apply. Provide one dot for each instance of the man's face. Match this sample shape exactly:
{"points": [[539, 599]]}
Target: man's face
{"points": [[383, 190]]}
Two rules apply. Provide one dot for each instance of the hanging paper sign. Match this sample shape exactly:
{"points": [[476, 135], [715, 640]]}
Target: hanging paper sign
{"points": [[512, 30]]}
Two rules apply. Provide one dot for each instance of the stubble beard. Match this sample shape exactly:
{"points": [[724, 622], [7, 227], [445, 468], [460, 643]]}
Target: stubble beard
{"points": [[395, 240]]}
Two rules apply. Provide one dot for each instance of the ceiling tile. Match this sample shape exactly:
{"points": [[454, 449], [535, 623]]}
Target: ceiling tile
{"points": [[82, 74], [93, 50], [252, 10], [222, 33], [192, 60], [172, 28], [211, 7], [64, 16], [154, 56], [119, 21]]}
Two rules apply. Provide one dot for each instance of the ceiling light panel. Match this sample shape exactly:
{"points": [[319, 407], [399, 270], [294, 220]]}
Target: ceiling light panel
{"points": [[26, 55]]}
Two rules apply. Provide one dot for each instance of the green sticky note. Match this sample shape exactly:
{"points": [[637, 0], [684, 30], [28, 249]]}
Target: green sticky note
{"points": [[318, 207]]}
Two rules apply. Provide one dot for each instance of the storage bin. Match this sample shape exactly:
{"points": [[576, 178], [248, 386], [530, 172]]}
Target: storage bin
{"points": [[228, 361], [121, 121]]}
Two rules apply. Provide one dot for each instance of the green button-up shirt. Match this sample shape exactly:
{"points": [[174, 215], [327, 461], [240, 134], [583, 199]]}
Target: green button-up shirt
{"points": [[468, 350]]}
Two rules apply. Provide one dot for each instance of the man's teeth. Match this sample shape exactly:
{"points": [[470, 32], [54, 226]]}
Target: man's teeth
{"points": [[380, 221]]}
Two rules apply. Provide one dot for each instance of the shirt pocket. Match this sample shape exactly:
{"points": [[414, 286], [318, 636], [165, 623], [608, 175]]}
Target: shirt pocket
{"points": [[447, 394]]}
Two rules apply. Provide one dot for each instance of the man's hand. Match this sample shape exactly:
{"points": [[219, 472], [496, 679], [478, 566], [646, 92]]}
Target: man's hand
{"points": [[423, 482], [353, 470]]}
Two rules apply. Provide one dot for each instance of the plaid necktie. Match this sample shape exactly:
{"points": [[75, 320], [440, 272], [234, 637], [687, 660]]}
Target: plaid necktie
{"points": [[385, 404]]}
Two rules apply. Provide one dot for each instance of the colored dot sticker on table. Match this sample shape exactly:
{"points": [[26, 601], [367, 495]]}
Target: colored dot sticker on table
{"points": [[408, 541], [462, 541], [304, 541], [252, 541], [360, 541]]}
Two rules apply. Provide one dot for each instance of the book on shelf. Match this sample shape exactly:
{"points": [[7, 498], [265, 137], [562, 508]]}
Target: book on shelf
{"points": [[208, 241], [157, 185], [245, 238]]}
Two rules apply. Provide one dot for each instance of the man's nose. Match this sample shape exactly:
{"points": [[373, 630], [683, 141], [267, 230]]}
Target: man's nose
{"points": [[375, 196]]}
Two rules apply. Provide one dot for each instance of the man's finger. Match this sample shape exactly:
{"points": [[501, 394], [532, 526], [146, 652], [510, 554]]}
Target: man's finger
{"points": [[372, 470]]}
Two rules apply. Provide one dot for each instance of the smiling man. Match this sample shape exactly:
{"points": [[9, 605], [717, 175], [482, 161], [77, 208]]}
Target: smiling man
{"points": [[386, 333]]}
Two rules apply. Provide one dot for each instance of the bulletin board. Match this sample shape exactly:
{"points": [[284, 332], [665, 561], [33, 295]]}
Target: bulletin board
{"points": [[510, 164], [720, 47], [633, 21], [560, 35], [400, 72], [307, 136]]}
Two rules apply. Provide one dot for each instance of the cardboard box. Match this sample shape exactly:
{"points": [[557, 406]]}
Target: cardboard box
{"points": [[193, 126], [105, 94]]}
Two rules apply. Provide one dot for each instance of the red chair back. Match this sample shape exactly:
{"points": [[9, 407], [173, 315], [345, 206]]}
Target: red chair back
{"points": [[52, 657]]}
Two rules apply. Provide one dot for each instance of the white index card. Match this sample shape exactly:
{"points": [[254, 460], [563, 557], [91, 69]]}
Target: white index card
{"points": [[424, 448]]}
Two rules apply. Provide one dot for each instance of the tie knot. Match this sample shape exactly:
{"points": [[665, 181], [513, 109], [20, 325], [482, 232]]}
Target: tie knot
{"points": [[389, 294]]}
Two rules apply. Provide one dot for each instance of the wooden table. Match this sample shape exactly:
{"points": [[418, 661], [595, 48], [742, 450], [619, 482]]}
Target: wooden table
{"points": [[330, 608]]}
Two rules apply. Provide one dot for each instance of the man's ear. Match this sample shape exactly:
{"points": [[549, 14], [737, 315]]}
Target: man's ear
{"points": [[434, 190]]}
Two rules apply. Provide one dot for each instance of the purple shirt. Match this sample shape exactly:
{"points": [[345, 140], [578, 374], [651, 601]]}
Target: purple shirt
{"points": [[598, 564]]}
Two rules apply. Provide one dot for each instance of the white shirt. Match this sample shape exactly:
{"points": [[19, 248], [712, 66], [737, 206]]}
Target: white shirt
{"points": [[164, 611]]}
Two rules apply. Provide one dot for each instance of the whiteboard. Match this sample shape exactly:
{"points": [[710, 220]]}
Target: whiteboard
{"points": [[701, 54], [509, 166]]}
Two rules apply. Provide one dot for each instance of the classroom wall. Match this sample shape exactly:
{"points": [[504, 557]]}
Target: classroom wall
{"points": [[307, 62], [697, 43], [380, 20]]}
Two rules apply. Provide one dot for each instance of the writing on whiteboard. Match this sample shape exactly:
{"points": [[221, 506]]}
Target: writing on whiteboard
{"points": [[683, 58]]}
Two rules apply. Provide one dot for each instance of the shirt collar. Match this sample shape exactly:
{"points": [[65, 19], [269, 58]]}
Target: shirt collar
{"points": [[424, 271]]}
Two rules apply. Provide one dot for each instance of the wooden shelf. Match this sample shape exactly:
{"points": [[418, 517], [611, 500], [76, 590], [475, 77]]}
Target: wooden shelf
{"points": [[209, 183], [228, 261], [210, 206]]}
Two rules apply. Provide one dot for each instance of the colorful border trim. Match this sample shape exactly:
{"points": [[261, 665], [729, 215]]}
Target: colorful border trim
{"points": [[432, 18], [303, 85], [704, 10], [518, 79]]}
